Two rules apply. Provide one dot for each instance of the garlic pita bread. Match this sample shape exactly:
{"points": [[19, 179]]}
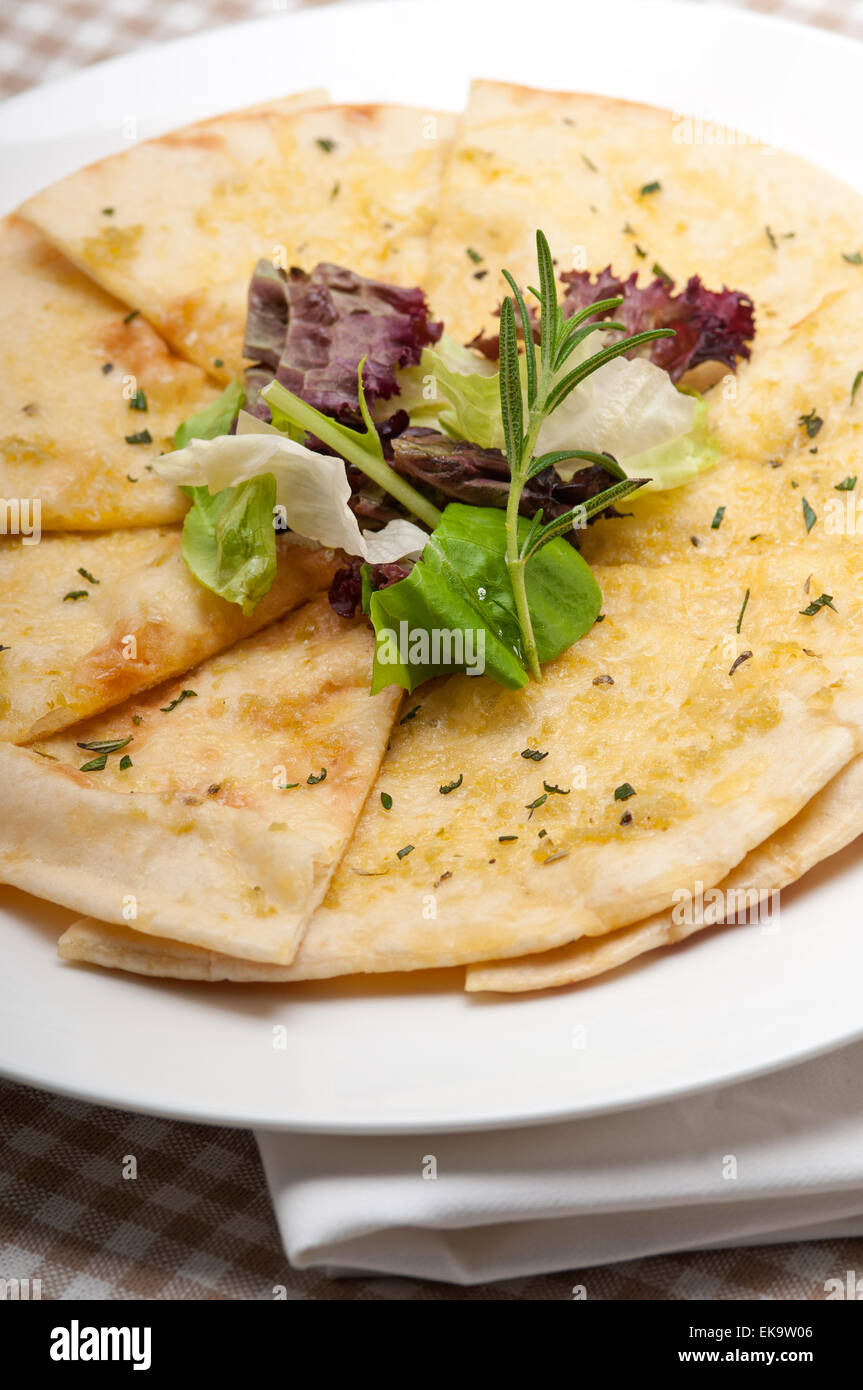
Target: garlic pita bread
{"points": [[829, 823], [89, 619], [649, 767], [71, 366], [226, 800], [791, 434], [614, 182], [194, 211], [826, 825]]}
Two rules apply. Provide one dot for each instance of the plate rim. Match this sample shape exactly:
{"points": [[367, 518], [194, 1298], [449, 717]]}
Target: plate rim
{"points": [[747, 23]]}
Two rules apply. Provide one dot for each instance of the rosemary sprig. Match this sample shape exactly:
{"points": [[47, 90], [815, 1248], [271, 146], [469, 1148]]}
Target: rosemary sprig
{"points": [[546, 389]]}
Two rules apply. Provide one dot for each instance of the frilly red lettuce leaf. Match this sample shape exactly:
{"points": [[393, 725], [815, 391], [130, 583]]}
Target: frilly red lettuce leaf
{"points": [[709, 325], [310, 332]]}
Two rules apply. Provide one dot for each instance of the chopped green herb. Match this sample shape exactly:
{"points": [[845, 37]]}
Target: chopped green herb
{"points": [[142, 437], [452, 786], [137, 719], [334, 191], [130, 479], [4, 649], [506, 839], [133, 315], [107, 212], [218, 362], [717, 520], [560, 791], [852, 257], [825, 601], [326, 145], [847, 484], [856, 386], [480, 274], [541, 834], [628, 229], [411, 714], [534, 755], [653, 187], [553, 858], [85, 574], [743, 610], [183, 695], [406, 849], [624, 792], [771, 238], [809, 516], [105, 745], [744, 656], [663, 274], [95, 764], [75, 594], [138, 401], [314, 778], [474, 255], [589, 164], [288, 786], [125, 763], [639, 251], [386, 801], [535, 805], [811, 423]]}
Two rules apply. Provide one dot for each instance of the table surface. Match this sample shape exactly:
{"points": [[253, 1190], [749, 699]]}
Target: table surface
{"points": [[196, 1221]]}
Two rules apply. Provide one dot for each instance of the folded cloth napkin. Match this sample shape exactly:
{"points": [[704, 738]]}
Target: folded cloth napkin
{"points": [[780, 1158]]}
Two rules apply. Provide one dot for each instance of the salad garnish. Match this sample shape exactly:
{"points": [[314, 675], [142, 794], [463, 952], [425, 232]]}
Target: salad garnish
{"points": [[472, 479]]}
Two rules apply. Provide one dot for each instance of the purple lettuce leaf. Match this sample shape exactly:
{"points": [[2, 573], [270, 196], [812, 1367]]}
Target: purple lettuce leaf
{"points": [[709, 325], [346, 589], [310, 331]]}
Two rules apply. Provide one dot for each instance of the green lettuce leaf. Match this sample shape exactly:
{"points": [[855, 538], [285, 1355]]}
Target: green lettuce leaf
{"points": [[465, 403], [215, 418], [672, 465], [454, 390], [459, 596], [229, 540]]}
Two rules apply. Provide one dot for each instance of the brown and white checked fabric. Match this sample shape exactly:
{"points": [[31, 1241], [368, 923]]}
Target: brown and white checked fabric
{"points": [[196, 1222]]}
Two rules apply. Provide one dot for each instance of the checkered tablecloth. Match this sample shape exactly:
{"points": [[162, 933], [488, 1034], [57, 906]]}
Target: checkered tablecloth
{"points": [[195, 1222]]}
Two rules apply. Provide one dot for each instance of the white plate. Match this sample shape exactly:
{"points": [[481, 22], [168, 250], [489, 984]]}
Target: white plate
{"points": [[387, 1055]]}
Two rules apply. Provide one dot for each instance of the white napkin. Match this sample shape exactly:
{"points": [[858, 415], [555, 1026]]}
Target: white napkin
{"points": [[528, 1201]]}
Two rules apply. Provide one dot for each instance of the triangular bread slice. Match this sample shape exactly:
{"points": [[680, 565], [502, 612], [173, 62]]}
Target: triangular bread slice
{"points": [[640, 188], [221, 815], [88, 619], [826, 825], [89, 398], [655, 754], [790, 426], [193, 211]]}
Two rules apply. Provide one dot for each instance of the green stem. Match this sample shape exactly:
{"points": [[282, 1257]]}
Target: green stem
{"points": [[515, 564], [360, 449], [515, 568]]}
